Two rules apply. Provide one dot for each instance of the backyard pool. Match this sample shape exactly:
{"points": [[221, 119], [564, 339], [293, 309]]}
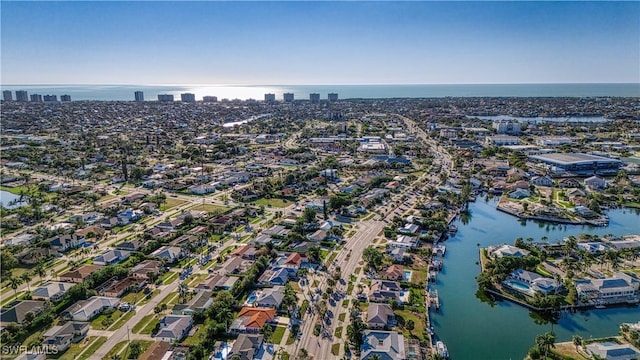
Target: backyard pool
{"points": [[518, 286], [252, 298], [407, 275]]}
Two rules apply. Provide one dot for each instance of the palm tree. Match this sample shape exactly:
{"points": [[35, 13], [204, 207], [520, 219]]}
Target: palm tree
{"points": [[40, 271], [577, 341], [26, 277], [15, 283], [546, 342], [267, 332]]}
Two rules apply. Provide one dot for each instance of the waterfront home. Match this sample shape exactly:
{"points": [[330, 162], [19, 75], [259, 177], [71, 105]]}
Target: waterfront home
{"points": [[506, 250], [85, 310], [529, 282], [198, 304], [111, 257], [619, 288], [382, 345], [246, 346], [627, 242], [384, 291], [398, 255], [569, 183], [592, 246], [519, 194], [60, 337], [394, 272], [173, 328], [612, 351], [403, 242], [53, 291], [79, 274], [409, 228], [380, 316], [145, 268], [17, 311], [252, 319]]}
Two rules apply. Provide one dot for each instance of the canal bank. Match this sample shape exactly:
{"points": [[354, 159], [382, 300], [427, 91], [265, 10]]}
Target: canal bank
{"points": [[477, 329]]}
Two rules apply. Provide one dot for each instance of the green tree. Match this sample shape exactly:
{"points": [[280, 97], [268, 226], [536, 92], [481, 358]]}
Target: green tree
{"points": [[577, 341], [26, 277], [546, 342], [15, 283]]}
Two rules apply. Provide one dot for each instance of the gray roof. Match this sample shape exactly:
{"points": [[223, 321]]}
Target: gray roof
{"points": [[388, 345], [246, 345], [18, 309]]}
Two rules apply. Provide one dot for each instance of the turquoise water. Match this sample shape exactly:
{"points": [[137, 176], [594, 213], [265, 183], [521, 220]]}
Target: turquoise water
{"points": [[407, 275], [125, 92], [10, 201], [473, 329], [518, 285]]}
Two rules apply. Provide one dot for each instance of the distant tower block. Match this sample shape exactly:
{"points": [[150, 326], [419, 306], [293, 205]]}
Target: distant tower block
{"points": [[7, 95], [50, 98], [333, 97], [210, 99], [165, 97], [188, 98], [269, 97], [36, 98], [139, 95], [21, 95], [314, 98], [65, 98], [288, 97]]}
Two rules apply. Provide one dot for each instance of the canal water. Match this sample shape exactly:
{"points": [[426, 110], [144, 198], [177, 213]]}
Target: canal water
{"points": [[10, 201], [473, 329]]}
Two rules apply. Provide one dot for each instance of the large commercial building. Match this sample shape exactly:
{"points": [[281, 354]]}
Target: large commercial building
{"points": [[288, 97], [165, 97], [269, 97], [21, 95], [65, 98], [314, 98], [50, 98], [7, 95], [139, 95], [333, 97], [210, 99], [188, 97], [507, 127], [579, 163], [36, 98]]}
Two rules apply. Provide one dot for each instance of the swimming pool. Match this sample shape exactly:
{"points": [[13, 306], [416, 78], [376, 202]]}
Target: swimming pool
{"points": [[518, 286], [407, 275], [252, 298]]}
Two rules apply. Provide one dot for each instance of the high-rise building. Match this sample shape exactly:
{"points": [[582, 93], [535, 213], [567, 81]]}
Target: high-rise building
{"points": [[165, 97], [188, 97], [7, 95], [333, 97], [210, 99], [314, 98], [288, 97], [269, 97], [50, 98], [65, 97], [36, 98], [21, 95], [139, 95]]}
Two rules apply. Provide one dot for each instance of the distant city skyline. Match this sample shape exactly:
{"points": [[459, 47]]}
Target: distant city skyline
{"points": [[319, 42]]}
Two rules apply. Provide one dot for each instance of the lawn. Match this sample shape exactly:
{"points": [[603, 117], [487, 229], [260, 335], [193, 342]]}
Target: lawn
{"points": [[278, 333], [146, 298], [137, 328], [350, 288], [150, 326], [335, 349], [345, 304], [211, 208], [115, 350], [169, 277], [144, 345], [122, 320], [196, 279], [172, 298], [195, 339], [103, 321], [338, 332], [274, 202], [419, 323], [342, 316], [171, 203], [87, 347]]}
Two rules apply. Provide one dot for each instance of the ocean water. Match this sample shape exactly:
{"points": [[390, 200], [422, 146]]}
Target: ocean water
{"points": [[243, 92]]}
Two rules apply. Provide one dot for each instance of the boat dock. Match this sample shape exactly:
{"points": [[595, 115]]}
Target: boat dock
{"points": [[433, 299]]}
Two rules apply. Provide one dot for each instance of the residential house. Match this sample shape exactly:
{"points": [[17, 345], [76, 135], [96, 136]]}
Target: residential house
{"points": [[380, 316], [394, 272], [317, 236], [252, 319], [619, 288], [79, 274], [402, 242], [144, 268], [117, 288], [382, 345], [534, 282], [383, 291], [110, 257], [202, 189], [507, 250], [272, 277], [293, 262], [198, 304], [60, 337], [169, 254], [236, 265], [569, 183], [33, 256], [17, 311], [398, 255], [270, 297], [66, 242], [53, 291], [156, 351], [85, 310], [519, 194], [613, 351], [542, 180], [246, 346], [595, 183], [173, 328], [247, 252], [217, 282], [130, 245]]}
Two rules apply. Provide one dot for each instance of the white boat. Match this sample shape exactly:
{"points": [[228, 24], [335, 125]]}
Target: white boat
{"points": [[441, 348]]}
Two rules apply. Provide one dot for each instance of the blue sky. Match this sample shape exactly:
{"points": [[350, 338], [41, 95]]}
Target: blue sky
{"points": [[319, 42]]}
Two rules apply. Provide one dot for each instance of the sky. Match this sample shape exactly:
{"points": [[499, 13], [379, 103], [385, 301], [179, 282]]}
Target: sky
{"points": [[354, 42]]}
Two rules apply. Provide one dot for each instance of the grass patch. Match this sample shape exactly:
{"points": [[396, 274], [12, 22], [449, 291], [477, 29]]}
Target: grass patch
{"points": [[170, 299], [146, 298], [122, 320], [278, 333], [338, 332], [196, 279], [140, 325], [115, 350], [195, 339], [335, 349], [349, 288], [169, 277], [150, 325], [211, 208], [368, 217], [274, 202], [419, 323], [332, 257], [303, 307], [345, 304], [540, 269], [103, 321], [171, 203], [357, 271], [87, 347], [342, 316]]}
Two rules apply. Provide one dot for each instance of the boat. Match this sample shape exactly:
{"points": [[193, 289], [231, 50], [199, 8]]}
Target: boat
{"points": [[453, 229], [441, 348]]}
